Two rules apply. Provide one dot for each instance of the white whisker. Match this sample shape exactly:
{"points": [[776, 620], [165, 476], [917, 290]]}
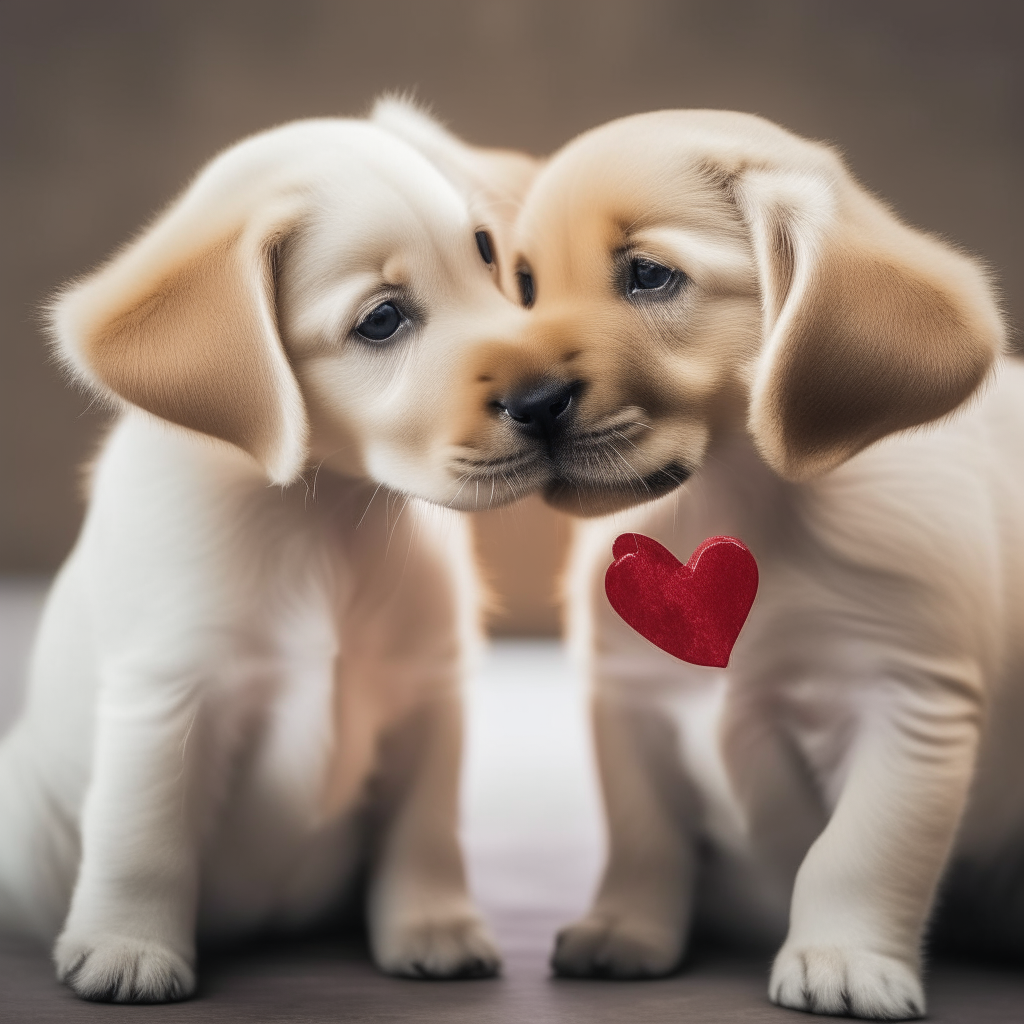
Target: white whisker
{"points": [[368, 504]]}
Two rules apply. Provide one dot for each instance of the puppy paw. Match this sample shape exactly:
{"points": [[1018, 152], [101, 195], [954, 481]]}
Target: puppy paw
{"points": [[121, 969], [456, 948], [846, 982], [605, 946]]}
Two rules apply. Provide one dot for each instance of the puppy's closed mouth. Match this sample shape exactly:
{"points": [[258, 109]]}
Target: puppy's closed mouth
{"points": [[584, 497], [666, 479], [508, 463], [490, 483]]}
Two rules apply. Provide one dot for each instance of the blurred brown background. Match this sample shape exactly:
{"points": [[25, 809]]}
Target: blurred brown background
{"points": [[108, 106]]}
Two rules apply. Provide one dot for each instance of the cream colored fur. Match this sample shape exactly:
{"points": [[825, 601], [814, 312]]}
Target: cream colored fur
{"points": [[866, 733], [247, 680]]}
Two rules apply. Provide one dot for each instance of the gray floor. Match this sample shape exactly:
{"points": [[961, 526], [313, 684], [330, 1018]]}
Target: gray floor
{"points": [[533, 836]]}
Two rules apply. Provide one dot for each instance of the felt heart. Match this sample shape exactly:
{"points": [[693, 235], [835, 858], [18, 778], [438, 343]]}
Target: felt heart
{"points": [[694, 611]]}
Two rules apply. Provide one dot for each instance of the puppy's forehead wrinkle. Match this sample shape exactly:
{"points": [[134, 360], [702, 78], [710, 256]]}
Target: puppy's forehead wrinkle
{"points": [[404, 236], [321, 321], [342, 260], [686, 160], [614, 212], [717, 260]]}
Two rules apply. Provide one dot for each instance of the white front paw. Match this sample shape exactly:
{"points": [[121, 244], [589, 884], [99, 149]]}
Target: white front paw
{"points": [[616, 946], [847, 982], [456, 947], [122, 969]]}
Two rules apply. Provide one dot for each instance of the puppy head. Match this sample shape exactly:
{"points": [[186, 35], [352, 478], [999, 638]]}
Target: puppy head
{"points": [[702, 271], [327, 292]]}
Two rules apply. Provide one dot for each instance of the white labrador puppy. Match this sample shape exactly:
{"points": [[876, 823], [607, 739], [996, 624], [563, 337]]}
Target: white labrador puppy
{"points": [[740, 312], [247, 683]]}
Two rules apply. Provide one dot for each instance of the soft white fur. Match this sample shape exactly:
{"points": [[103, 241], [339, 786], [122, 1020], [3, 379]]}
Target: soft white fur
{"points": [[240, 692]]}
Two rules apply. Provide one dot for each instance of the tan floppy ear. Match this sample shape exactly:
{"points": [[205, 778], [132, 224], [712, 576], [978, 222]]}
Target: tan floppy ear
{"points": [[870, 326], [182, 323]]}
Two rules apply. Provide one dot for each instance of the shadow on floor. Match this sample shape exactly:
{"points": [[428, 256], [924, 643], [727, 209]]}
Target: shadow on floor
{"points": [[326, 979]]}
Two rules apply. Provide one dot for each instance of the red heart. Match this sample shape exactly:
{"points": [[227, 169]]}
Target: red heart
{"points": [[693, 611]]}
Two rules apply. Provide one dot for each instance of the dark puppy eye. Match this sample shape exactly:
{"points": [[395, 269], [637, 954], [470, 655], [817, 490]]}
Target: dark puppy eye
{"points": [[381, 323], [525, 279], [483, 243], [646, 275]]}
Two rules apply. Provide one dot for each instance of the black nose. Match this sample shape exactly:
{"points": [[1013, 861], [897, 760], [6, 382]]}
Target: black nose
{"points": [[541, 409]]}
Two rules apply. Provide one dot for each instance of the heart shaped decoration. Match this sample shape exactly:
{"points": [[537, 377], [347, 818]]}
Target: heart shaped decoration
{"points": [[693, 611]]}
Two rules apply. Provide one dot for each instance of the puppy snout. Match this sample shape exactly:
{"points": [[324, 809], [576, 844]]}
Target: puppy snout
{"points": [[542, 409]]}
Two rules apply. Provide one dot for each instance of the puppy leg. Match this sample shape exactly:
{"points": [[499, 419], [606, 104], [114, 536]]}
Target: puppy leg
{"points": [[39, 844], [865, 889], [129, 935], [422, 920], [638, 924]]}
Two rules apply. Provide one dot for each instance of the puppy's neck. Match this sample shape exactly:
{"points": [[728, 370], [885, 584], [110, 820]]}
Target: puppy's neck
{"points": [[735, 493]]}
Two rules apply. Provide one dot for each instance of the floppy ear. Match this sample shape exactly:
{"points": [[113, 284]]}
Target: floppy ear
{"points": [[498, 178], [870, 326], [182, 323]]}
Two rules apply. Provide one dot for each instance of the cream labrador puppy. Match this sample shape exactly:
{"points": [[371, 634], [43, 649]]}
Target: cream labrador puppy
{"points": [[731, 309], [246, 683]]}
